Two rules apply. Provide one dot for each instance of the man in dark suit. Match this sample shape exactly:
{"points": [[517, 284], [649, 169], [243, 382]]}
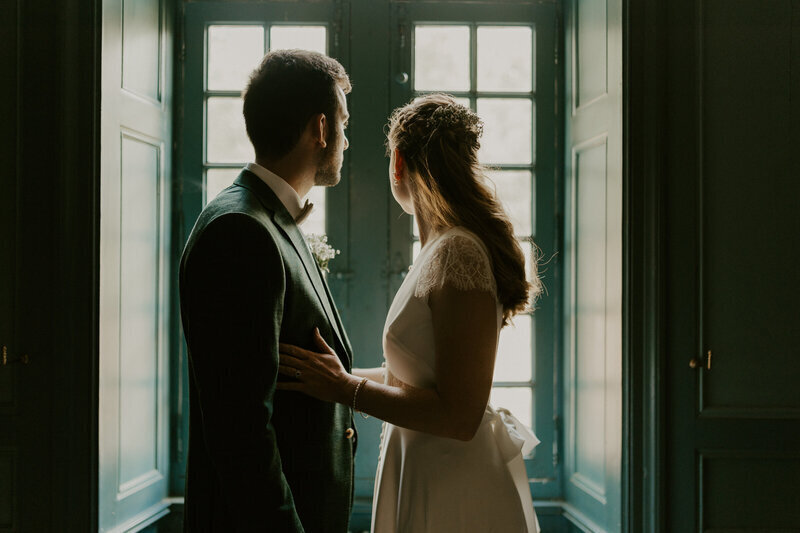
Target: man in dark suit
{"points": [[261, 460]]}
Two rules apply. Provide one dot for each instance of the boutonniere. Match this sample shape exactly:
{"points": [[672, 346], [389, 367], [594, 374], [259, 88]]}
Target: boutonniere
{"points": [[321, 250]]}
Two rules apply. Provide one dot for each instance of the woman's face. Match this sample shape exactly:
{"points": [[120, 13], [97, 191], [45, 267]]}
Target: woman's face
{"points": [[398, 181]]}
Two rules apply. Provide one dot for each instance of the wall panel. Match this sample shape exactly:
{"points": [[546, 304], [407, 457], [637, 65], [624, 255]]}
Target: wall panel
{"points": [[134, 264], [590, 65], [141, 47], [593, 259], [589, 319], [139, 316]]}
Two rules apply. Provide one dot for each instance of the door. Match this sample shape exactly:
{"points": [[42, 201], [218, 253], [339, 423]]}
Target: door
{"points": [[134, 264], [732, 322]]}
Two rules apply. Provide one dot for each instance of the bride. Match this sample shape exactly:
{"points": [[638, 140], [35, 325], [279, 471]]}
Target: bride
{"points": [[449, 462]]}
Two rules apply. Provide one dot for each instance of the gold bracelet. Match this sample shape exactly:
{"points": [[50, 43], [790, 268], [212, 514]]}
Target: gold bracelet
{"points": [[355, 396]]}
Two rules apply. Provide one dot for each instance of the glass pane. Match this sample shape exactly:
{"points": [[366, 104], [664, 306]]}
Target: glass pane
{"points": [[312, 38], [217, 179], [504, 58], [463, 101], [518, 400], [507, 135], [233, 52], [226, 140], [441, 58], [514, 190], [514, 353], [527, 249], [315, 223]]}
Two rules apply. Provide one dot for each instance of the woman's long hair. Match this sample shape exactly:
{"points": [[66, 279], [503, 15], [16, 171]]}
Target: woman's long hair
{"points": [[439, 140]]}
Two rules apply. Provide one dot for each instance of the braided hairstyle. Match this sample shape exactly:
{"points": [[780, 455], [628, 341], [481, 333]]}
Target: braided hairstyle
{"points": [[439, 140]]}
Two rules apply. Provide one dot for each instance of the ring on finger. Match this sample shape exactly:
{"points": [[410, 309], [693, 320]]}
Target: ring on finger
{"points": [[297, 374]]}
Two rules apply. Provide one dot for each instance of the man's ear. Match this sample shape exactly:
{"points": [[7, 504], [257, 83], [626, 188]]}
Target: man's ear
{"points": [[319, 129]]}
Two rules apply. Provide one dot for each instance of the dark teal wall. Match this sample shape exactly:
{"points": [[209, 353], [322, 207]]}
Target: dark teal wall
{"points": [[49, 149]]}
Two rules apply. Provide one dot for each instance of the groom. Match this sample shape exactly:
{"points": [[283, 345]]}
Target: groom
{"points": [[261, 460]]}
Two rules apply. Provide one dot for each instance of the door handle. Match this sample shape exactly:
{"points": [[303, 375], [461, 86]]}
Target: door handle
{"points": [[697, 362], [24, 359]]}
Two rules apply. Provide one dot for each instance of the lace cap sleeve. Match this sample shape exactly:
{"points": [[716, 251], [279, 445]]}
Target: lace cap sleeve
{"points": [[458, 261]]}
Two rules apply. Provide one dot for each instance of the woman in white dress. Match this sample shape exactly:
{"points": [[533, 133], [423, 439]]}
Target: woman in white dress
{"points": [[449, 461]]}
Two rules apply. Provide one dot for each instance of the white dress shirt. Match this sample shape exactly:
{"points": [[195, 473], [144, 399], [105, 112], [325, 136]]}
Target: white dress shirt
{"points": [[285, 192]]}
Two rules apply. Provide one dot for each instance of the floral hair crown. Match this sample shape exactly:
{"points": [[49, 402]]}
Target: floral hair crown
{"points": [[454, 117]]}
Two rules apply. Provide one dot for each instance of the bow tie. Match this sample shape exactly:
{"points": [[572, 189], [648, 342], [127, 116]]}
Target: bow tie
{"points": [[303, 214]]}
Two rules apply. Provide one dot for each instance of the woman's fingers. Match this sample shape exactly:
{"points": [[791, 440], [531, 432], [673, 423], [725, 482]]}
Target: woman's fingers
{"points": [[289, 360], [289, 371], [294, 351]]}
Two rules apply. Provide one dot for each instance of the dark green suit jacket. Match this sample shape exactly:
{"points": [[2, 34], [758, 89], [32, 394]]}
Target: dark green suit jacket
{"points": [[259, 459]]}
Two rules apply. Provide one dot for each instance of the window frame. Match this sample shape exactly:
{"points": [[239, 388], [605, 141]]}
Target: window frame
{"points": [[543, 467], [360, 210]]}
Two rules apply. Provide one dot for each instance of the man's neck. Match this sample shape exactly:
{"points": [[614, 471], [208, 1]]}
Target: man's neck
{"points": [[299, 176]]}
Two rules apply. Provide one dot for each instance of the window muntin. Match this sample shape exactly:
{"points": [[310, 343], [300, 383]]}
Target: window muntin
{"points": [[490, 68], [231, 54]]}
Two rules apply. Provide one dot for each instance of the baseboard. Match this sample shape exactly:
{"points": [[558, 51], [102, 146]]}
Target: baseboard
{"points": [[579, 520], [143, 519]]}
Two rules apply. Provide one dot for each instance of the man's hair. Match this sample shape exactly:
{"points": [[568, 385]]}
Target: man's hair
{"points": [[284, 92]]}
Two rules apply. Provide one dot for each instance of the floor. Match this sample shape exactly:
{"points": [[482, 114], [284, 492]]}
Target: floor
{"points": [[171, 523]]}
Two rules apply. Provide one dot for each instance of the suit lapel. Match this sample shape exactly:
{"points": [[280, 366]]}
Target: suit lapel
{"points": [[343, 333], [287, 225]]}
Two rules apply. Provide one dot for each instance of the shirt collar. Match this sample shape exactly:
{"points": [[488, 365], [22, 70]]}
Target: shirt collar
{"points": [[285, 192]]}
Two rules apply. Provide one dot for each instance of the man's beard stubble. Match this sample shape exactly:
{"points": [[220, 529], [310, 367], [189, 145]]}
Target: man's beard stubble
{"points": [[329, 171]]}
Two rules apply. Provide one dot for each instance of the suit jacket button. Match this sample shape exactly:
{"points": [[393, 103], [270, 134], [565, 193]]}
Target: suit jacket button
{"points": [[349, 433]]}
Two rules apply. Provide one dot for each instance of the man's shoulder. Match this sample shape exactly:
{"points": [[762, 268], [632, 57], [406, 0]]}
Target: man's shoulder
{"points": [[233, 212], [234, 203]]}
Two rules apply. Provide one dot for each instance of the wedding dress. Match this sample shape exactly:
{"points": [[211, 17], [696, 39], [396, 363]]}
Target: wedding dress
{"points": [[433, 484]]}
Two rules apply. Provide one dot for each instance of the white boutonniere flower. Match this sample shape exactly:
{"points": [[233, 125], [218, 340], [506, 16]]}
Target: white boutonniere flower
{"points": [[321, 250]]}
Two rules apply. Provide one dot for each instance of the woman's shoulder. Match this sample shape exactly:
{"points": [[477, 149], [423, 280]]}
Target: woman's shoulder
{"points": [[459, 239], [458, 258]]}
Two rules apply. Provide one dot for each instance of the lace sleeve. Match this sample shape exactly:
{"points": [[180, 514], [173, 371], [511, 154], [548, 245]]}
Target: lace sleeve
{"points": [[457, 261]]}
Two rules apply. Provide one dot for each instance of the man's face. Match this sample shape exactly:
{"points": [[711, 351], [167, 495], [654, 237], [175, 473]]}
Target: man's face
{"points": [[329, 172]]}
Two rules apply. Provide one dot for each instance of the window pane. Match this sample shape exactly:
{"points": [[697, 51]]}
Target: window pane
{"points": [[315, 223], [504, 58], [507, 130], [518, 400], [441, 58], [233, 52], [527, 250], [226, 140], [463, 101], [514, 351], [217, 179], [514, 190], [304, 37]]}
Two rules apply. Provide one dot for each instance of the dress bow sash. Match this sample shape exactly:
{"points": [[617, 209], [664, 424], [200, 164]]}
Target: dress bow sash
{"points": [[512, 436], [515, 440]]}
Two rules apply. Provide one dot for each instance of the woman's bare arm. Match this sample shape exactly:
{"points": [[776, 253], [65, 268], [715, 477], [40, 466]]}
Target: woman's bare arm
{"points": [[373, 374], [465, 332]]}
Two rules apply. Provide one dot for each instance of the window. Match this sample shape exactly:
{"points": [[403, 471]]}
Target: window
{"points": [[498, 58], [490, 69]]}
